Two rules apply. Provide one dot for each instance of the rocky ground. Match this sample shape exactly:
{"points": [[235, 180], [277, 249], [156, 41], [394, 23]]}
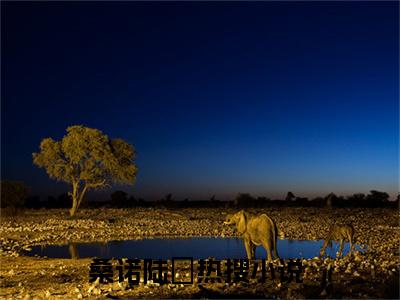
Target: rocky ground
{"points": [[372, 274]]}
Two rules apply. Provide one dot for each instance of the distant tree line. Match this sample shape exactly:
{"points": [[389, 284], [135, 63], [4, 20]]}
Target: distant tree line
{"points": [[15, 195]]}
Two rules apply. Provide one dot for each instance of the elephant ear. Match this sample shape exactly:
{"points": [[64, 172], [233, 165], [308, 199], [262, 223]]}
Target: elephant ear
{"points": [[242, 224]]}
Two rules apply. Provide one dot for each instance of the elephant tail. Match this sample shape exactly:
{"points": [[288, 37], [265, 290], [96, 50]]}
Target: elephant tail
{"points": [[275, 240]]}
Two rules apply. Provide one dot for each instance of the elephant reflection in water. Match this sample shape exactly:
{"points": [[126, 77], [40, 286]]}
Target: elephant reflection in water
{"points": [[255, 231], [73, 251]]}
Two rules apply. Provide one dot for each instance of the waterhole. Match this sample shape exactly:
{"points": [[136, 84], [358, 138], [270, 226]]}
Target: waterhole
{"points": [[199, 247]]}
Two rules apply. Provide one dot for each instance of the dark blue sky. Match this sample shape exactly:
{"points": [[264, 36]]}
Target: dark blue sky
{"points": [[217, 98]]}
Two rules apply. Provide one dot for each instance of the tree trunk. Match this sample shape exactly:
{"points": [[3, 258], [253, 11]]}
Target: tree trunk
{"points": [[80, 198], [74, 208], [77, 198], [75, 201]]}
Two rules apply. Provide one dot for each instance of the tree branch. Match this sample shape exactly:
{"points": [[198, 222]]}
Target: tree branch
{"points": [[82, 194], [96, 185]]}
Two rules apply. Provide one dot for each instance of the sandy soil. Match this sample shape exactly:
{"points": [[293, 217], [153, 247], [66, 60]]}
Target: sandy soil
{"points": [[373, 274]]}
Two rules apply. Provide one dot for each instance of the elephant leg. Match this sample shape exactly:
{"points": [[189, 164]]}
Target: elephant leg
{"points": [[351, 246], [341, 248], [253, 251], [248, 246], [276, 249], [268, 250], [321, 252]]}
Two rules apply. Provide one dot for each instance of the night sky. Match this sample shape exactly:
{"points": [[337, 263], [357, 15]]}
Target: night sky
{"points": [[217, 98]]}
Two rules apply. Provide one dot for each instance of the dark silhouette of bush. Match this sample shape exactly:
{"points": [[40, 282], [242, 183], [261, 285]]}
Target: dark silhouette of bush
{"points": [[142, 203], [166, 201], [119, 199], [64, 200], [376, 198], [132, 202], [290, 196], [263, 202], [33, 202], [51, 202], [300, 201], [244, 200], [13, 194], [355, 200], [317, 202]]}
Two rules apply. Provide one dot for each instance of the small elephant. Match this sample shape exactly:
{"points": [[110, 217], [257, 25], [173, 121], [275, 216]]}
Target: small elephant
{"points": [[338, 233], [255, 231]]}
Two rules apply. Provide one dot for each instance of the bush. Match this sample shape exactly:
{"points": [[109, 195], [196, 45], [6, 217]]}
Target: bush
{"points": [[13, 195]]}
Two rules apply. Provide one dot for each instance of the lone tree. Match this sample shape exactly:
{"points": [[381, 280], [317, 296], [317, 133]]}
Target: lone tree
{"points": [[87, 159]]}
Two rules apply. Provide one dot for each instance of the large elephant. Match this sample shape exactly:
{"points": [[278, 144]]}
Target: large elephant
{"points": [[255, 231]]}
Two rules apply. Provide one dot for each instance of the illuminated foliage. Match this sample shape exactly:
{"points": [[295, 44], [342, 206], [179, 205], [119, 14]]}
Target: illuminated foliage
{"points": [[87, 159]]}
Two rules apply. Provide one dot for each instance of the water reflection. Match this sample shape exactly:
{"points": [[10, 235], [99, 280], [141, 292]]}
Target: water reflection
{"points": [[220, 248], [73, 251]]}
